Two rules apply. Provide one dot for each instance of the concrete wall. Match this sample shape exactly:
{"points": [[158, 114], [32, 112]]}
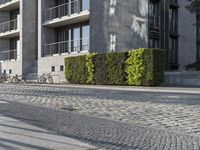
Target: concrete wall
{"points": [[118, 25], [14, 65], [182, 78], [45, 64], [4, 43], [28, 10], [187, 39], [47, 35]]}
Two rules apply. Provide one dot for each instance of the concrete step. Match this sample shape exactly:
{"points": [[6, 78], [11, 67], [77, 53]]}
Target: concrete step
{"points": [[186, 78]]}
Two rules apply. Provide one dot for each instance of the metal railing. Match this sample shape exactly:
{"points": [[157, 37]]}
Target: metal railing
{"points": [[4, 1], [8, 26], [59, 11], [8, 55], [66, 47]]}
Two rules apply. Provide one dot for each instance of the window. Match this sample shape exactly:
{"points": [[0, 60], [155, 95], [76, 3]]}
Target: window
{"points": [[173, 46], [4, 71], [154, 23], [61, 68], [85, 37], [62, 39], [52, 68], [198, 37], [10, 71], [13, 47], [154, 12], [75, 7], [76, 39], [173, 32], [85, 5], [173, 20], [13, 17]]}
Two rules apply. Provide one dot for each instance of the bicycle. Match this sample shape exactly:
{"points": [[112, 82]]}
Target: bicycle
{"points": [[18, 79], [44, 78], [5, 78]]}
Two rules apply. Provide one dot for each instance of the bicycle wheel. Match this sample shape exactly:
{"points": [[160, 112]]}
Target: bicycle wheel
{"points": [[50, 79], [41, 80], [15, 80]]}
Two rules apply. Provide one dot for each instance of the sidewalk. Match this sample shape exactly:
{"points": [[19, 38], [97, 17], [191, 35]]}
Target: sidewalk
{"points": [[17, 135], [159, 89]]}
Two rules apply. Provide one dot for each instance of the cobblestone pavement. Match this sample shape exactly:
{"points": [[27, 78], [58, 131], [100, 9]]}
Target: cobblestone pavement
{"points": [[101, 133], [175, 112]]}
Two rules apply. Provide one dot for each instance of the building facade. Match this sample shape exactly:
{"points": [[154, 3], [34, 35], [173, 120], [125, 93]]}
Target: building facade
{"points": [[36, 35]]}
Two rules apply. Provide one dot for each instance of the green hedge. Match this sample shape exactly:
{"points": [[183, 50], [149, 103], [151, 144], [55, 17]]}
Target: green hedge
{"points": [[145, 67], [116, 68], [76, 70], [137, 67]]}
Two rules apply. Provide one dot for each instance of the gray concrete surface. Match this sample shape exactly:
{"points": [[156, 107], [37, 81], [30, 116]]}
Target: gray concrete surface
{"points": [[102, 133], [18, 135], [174, 109]]}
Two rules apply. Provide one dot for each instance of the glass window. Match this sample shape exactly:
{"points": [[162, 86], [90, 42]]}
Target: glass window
{"points": [[52, 68], [61, 68], [76, 40], [85, 5], [74, 6], [85, 37], [198, 36]]}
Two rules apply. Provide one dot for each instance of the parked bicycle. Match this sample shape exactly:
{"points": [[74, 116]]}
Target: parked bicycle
{"points": [[17, 79], [44, 78], [5, 78]]}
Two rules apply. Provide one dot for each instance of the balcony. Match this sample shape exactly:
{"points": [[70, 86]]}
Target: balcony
{"points": [[8, 55], [67, 47], [8, 5], [65, 14], [9, 29]]}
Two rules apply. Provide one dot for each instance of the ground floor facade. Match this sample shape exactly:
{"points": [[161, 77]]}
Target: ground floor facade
{"points": [[39, 40]]}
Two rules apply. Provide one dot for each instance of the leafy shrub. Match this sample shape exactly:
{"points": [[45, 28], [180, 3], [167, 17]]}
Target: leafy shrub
{"points": [[101, 69], [76, 70], [90, 68], [145, 67], [138, 67], [116, 68], [135, 67]]}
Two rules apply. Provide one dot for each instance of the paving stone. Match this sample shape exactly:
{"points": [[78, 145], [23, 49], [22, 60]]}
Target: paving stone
{"points": [[175, 112]]}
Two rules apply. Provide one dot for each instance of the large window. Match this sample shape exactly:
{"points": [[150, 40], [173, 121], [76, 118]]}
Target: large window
{"points": [[173, 32], [76, 39], [13, 19], [13, 47], [198, 37], [154, 23], [173, 20], [85, 37], [73, 38]]}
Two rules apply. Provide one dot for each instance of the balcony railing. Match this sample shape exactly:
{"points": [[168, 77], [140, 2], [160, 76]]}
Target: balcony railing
{"points": [[4, 1], [8, 26], [59, 11], [8, 55], [73, 46]]}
